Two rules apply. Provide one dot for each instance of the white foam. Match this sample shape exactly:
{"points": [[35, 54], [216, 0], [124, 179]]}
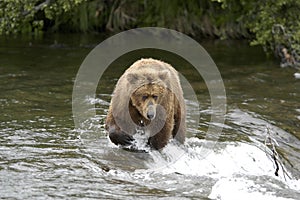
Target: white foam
{"points": [[225, 161], [235, 167], [297, 75], [239, 188]]}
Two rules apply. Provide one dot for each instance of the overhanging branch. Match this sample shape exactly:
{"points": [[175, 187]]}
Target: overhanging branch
{"points": [[37, 8]]}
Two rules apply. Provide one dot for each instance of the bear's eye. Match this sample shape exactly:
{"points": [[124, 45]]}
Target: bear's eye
{"points": [[144, 97], [155, 97]]}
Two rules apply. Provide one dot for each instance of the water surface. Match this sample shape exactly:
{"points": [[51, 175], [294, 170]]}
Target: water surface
{"points": [[43, 155]]}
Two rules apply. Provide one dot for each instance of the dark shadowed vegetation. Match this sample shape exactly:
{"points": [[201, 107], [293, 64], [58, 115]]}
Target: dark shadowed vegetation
{"points": [[224, 19]]}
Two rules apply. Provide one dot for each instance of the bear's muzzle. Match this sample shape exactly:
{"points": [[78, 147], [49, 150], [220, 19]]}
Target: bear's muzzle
{"points": [[151, 112]]}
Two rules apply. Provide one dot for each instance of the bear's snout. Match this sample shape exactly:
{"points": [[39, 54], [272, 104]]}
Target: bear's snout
{"points": [[151, 112]]}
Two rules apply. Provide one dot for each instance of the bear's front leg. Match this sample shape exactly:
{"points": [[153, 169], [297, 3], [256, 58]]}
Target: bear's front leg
{"points": [[119, 137], [161, 139]]}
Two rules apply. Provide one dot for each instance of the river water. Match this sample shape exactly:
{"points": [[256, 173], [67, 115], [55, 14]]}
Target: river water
{"points": [[44, 156]]}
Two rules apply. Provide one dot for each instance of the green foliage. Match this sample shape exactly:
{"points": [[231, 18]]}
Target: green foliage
{"points": [[194, 17], [11, 20], [27, 16], [223, 19], [263, 18]]}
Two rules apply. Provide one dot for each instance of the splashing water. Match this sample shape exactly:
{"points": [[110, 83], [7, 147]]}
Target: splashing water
{"points": [[231, 171]]}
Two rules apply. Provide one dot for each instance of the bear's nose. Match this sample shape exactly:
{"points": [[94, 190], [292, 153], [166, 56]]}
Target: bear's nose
{"points": [[151, 112], [150, 115]]}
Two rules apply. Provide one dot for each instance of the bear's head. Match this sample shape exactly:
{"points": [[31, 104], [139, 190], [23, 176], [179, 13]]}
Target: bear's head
{"points": [[146, 98], [150, 91]]}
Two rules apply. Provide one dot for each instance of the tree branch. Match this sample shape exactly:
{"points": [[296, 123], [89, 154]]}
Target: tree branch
{"points": [[37, 8]]}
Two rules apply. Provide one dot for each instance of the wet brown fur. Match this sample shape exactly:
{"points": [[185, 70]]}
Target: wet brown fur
{"points": [[158, 81]]}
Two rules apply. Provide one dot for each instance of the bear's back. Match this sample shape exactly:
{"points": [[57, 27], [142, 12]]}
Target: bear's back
{"points": [[151, 65]]}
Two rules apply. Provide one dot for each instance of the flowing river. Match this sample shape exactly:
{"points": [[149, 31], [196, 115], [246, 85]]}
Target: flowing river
{"points": [[44, 156]]}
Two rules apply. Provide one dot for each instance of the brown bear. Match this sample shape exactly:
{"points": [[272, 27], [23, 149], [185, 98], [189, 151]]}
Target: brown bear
{"points": [[147, 96]]}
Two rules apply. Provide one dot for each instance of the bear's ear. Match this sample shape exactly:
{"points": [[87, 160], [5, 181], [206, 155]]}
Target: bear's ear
{"points": [[163, 75], [132, 78]]}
